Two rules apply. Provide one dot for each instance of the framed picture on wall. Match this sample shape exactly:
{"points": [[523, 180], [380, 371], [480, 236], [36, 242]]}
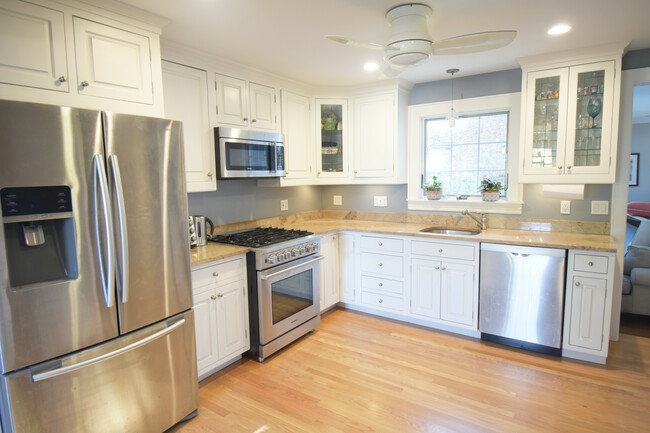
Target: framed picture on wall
{"points": [[634, 169]]}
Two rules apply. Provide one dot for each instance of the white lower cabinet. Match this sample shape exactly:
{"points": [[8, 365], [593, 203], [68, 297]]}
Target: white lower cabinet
{"points": [[220, 313], [425, 288], [382, 273], [329, 272], [588, 305], [347, 267], [457, 293]]}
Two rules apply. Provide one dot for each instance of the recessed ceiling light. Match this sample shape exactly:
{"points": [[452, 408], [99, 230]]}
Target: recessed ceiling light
{"points": [[559, 29], [371, 66]]}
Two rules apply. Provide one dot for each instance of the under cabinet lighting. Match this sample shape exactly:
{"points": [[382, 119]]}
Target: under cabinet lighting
{"points": [[559, 29]]}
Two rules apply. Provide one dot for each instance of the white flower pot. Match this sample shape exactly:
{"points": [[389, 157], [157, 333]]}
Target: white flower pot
{"points": [[490, 195], [435, 194]]}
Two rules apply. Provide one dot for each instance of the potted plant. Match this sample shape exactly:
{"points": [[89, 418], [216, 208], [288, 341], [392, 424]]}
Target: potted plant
{"points": [[433, 189], [490, 189]]}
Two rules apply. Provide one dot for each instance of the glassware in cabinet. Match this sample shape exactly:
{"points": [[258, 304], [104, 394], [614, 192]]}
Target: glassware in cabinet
{"points": [[332, 142], [545, 121]]}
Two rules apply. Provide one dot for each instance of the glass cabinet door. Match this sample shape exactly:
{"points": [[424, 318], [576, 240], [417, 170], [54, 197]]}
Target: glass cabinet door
{"points": [[545, 124], [332, 142], [589, 129]]}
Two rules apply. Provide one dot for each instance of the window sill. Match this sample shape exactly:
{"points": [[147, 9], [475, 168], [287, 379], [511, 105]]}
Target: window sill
{"points": [[473, 204]]}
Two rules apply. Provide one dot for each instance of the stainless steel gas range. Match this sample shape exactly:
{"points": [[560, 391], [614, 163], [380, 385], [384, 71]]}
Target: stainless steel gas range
{"points": [[283, 284]]}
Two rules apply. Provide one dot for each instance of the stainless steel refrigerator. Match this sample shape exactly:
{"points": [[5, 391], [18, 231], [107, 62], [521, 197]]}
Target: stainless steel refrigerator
{"points": [[96, 326]]}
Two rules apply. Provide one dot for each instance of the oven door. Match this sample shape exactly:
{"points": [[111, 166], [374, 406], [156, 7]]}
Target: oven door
{"points": [[250, 158], [289, 295]]}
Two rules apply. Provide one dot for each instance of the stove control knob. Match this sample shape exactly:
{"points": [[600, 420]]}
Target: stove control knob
{"points": [[286, 254], [314, 247], [302, 250], [271, 259], [308, 248], [295, 252]]}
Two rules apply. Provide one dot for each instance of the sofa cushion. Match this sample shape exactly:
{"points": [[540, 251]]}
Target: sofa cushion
{"points": [[642, 235], [627, 285], [636, 257], [640, 277]]}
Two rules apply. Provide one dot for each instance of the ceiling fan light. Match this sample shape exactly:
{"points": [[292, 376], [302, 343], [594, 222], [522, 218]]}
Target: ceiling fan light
{"points": [[407, 59], [371, 66], [559, 29]]}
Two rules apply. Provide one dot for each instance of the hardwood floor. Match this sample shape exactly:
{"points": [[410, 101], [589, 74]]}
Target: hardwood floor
{"points": [[359, 373]]}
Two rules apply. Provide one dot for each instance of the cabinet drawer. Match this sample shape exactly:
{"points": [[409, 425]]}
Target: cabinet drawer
{"points": [[447, 251], [589, 263], [382, 264], [385, 302], [381, 285], [375, 243], [219, 273]]}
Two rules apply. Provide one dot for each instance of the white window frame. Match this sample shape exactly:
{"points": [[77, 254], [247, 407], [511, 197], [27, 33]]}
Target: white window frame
{"points": [[512, 202]]}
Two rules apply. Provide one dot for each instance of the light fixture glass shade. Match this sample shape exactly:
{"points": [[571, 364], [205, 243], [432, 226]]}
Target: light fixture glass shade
{"points": [[451, 117]]}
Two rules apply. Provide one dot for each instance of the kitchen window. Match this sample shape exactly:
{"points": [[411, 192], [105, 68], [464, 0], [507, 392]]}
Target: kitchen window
{"points": [[483, 143]]}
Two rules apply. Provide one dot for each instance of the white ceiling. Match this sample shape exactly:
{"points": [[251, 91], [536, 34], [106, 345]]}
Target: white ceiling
{"points": [[285, 37]]}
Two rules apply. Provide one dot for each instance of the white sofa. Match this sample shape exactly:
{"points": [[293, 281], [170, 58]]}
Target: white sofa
{"points": [[636, 273]]}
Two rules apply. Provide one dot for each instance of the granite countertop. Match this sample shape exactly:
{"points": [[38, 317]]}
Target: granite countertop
{"points": [[549, 239]]}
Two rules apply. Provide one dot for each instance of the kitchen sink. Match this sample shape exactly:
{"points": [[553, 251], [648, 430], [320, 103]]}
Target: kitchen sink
{"points": [[450, 231]]}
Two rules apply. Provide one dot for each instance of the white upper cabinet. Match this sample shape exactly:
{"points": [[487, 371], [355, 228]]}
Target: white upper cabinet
{"points": [[246, 104], [570, 115], [32, 52], [374, 136], [186, 99], [112, 63], [74, 54], [296, 130]]}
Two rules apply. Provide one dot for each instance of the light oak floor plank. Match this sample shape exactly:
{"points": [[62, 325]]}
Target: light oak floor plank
{"points": [[359, 373]]}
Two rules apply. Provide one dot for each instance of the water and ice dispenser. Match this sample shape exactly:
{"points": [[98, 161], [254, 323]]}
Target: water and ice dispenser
{"points": [[39, 234]]}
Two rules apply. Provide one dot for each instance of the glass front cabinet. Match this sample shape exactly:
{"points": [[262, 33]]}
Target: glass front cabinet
{"points": [[569, 124], [331, 138]]}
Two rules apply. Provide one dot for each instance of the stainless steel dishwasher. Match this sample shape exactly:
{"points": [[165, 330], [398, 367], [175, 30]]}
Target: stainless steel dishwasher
{"points": [[522, 296]]}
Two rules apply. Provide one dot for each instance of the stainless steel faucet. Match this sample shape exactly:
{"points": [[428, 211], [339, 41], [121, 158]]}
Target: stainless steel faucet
{"points": [[480, 222]]}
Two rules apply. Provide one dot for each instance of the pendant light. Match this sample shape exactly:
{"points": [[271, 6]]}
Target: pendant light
{"points": [[452, 115]]}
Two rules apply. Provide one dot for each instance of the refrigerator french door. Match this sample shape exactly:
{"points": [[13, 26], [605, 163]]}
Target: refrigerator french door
{"points": [[96, 332]]}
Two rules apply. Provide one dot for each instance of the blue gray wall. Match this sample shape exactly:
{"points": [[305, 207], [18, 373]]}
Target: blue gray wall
{"points": [[641, 145]]}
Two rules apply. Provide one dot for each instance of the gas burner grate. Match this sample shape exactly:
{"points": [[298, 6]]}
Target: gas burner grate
{"points": [[260, 237]]}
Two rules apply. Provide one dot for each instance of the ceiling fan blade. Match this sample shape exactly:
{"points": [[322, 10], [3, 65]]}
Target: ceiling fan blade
{"points": [[353, 43], [390, 71], [474, 42]]}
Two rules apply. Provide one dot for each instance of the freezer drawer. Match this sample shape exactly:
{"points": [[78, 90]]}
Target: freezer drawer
{"points": [[143, 382], [521, 296]]}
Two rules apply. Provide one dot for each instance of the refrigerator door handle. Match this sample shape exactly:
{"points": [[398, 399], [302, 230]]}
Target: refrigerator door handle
{"points": [[70, 368], [106, 263], [123, 267]]}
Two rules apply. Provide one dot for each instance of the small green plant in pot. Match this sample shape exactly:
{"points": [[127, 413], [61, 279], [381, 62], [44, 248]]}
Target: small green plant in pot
{"points": [[433, 189], [490, 189]]}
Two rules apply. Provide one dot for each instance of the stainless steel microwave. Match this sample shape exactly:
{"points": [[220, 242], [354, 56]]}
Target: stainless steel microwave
{"points": [[242, 153]]}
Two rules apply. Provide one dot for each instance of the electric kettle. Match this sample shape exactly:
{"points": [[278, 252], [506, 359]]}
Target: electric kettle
{"points": [[202, 235]]}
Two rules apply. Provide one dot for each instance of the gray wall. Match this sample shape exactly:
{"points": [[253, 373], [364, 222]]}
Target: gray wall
{"points": [[641, 145], [242, 200]]}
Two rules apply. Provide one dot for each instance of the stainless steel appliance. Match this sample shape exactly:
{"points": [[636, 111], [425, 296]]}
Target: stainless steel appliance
{"points": [[96, 326], [200, 224], [243, 153], [522, 296], [284, 285]]}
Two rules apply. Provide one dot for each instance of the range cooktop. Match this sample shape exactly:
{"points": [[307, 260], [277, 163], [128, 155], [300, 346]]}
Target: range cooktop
{"points": [[259, 237]]}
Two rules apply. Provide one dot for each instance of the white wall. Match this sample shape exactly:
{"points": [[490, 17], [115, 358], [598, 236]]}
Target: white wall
{"points": [[641, 145]]}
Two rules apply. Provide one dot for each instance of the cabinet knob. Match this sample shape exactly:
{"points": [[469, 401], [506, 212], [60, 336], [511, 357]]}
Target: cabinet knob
{"points": [[577, 283], [209, 174], [381, 284], [356, 171], [444, 269], [381, 264], [244, 119], [213, 297], [215, 274], [318, 173], [62, 79], [568, 167], [219, 295], [381, 300], [440, 250], [437, 267], [381, 244], [85, 83], [253, 120], [559, 167], [591, 263]]}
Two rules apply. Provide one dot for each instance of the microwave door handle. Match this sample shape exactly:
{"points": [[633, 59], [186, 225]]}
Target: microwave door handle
{"points": [[275, 156], [123, 268], [106, 262], [284, 271]]}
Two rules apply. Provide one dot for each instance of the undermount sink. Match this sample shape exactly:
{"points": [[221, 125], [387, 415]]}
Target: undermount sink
{"points": [[450, 231]]}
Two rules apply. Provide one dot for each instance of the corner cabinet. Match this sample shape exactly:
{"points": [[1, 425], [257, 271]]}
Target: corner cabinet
{"points": [[570, 117], [220, 313], [332, 138], [186, 99]]}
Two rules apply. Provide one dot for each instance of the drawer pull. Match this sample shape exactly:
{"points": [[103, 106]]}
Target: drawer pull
{"points": [[62, 79], [381, 300], [213, 297], [85, 84], [219, 295], [444, 269], [215, 274], [577, 283], [381, 264], [437, 267], [381, 284], [440, 250], [381, 244], [591, 263]]}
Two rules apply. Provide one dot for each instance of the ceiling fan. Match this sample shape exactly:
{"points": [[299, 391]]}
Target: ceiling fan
{"points": [[410, 42]]}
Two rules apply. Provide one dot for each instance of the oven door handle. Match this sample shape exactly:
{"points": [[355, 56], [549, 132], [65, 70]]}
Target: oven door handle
{"points": [[284, 271]]}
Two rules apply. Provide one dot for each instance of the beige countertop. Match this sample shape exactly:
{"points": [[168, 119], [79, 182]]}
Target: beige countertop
{"points": [[595, 242]]}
